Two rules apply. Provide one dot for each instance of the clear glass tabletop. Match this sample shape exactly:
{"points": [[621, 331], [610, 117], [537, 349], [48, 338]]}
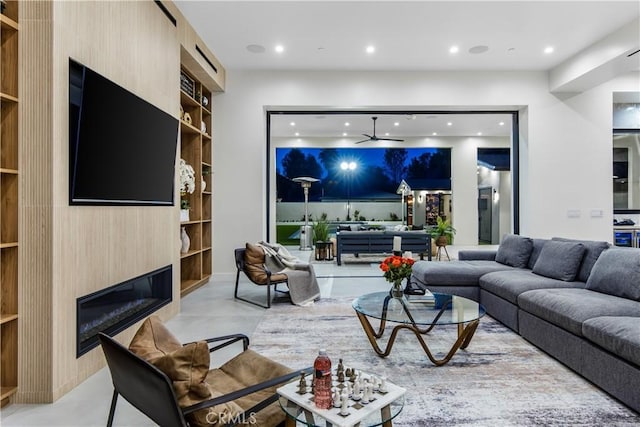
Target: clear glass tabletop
{"points": [[445, 309]]}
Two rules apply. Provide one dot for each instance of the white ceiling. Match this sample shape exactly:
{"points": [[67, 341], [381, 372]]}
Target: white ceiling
{"points": [[409, 125], [407, 35]]}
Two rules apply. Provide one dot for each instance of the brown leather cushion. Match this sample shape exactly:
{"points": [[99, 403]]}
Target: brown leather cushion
{"points": [[254, 265], [153, 340], [246, 369], [187, 368]]}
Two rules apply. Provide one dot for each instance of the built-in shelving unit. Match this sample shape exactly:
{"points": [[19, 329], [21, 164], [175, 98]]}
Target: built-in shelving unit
{"points": [[9, 202], [195, 149]]}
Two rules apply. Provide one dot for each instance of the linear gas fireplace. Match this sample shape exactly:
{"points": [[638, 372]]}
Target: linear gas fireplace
{"points": [[117, 307]]}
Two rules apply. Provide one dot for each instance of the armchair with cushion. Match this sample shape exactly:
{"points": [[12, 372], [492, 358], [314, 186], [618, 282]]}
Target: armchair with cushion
{"points": [[251, 261], [171, 383]]}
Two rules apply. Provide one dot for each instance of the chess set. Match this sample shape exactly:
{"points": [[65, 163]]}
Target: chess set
{"points": [[355, 395]]}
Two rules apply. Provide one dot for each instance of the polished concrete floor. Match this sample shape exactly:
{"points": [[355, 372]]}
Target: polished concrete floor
{"points": [[207, 312]]}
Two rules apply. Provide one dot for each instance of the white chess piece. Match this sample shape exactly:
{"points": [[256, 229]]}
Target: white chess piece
{"points": [[383, 384], [336, 398], [345, 404]]}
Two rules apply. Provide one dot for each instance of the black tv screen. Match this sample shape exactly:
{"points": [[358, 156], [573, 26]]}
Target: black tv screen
{"points": [[122, 149]]}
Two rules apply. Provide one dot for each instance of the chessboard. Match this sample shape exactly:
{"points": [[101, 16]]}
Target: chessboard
{"points": [[356, 395]]}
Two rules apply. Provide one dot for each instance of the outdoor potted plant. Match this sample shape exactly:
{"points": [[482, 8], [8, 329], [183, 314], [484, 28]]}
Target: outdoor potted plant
{"points": [[321, 238], [442, 232]]}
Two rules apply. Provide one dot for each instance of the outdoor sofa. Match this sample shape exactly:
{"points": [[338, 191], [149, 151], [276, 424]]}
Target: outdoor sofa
{"points": [[579, 301], [381, 242]]}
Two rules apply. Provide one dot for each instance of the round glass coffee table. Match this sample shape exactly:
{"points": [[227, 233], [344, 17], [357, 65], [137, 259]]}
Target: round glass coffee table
{"points": [[419, 317]]}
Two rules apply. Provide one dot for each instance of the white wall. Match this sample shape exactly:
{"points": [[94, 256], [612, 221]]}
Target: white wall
{"points": [[565, 141]]}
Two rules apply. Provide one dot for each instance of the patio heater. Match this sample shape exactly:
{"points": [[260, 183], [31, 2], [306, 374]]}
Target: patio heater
{"points": [[403, 190], [305, 230]]}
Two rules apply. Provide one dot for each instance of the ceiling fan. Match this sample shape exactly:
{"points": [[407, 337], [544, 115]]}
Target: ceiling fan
{"points": [[374, 137]]}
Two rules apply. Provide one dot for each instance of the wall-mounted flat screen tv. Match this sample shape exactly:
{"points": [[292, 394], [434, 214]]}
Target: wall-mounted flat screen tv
{"points": [[122, 149]]}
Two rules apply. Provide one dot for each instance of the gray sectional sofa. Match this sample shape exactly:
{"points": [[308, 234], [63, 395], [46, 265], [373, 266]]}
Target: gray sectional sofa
{"points": [[578, 300]]}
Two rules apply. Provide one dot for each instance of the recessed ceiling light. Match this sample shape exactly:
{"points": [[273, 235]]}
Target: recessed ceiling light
{"points": [[501, 123], [386, 134], [449, 123], [396, 124], [292, 123], [434, 134], [344, 134], [548, 49], [479, 133], [297, 134], [279, 48], [255, 48], [454, 49], [371, 49], [347, 123]]}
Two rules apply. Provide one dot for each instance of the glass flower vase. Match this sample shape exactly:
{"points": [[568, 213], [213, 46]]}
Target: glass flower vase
{"points": [[396, 289]]}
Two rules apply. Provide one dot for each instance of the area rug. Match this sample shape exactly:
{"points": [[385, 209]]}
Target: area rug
{"points": [[500, 380]]}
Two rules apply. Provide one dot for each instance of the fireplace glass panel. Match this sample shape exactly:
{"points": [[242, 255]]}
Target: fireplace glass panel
{"points": [[117, 307]]}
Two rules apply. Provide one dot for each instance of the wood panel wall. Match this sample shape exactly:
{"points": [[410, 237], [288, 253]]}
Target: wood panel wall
{"points": [[70, 251]]}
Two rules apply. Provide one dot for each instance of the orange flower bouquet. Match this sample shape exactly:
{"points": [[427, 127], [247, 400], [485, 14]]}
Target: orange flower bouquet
{"points": [[395, 270]]}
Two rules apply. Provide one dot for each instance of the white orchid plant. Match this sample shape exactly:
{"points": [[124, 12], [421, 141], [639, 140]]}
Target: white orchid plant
{"points": [[187, 181]]}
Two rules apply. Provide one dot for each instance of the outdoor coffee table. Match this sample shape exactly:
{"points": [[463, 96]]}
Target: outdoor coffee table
{"points": [[419, 318], [301, 409]]}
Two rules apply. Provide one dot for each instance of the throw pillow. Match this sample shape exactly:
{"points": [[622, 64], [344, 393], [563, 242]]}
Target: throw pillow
{"points": [[514, 250], [559, 260], [593, 249], [187, 368], [153, 340], [617, 272]]}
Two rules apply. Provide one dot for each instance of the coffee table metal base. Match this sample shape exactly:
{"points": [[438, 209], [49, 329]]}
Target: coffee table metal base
{"points": [[465, 334]]}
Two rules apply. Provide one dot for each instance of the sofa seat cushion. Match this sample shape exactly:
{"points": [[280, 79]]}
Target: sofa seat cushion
{"points": [[618, 334], [514, 250], [511, 283], [617, 272], [569, 308], [592, 250], [459, 273], [244, 370]]}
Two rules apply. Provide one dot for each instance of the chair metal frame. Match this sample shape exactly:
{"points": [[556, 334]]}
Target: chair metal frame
{"points": [[240, 266], [150, 391]]}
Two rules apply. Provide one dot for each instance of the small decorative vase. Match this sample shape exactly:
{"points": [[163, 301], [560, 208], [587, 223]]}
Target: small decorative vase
{"points": [[186, 242], [184, 215], [204, 185], [396, 289]]}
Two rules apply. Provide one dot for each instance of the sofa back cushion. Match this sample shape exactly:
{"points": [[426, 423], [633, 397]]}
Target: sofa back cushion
{"points": [[535, 252], [593, 249], [514, 250], [617, 272], [559, 260]]}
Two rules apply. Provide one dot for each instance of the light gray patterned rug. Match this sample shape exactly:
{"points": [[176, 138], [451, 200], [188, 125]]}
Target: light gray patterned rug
{"points": [[500, 380]]}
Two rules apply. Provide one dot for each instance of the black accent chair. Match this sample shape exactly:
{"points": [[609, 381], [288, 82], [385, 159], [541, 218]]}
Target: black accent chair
{"points": [[241, 266], [150, 391]]}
